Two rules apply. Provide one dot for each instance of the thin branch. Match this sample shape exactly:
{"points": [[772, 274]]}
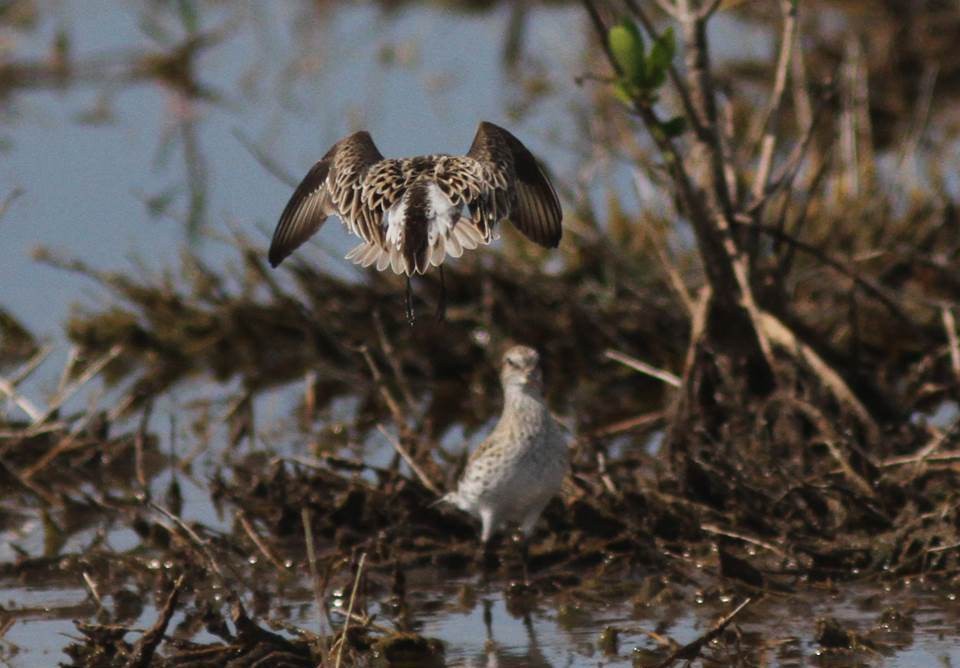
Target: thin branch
{"points": [[255, 538], [142, 653], [388, 398], [27, 370], [90, 372], [389, 351], [668, 8], [921, 117], [785, 338], [411, 462], [674, 278], [660, 374], [265, 160], [200, 543], [692, 650], [92, 588], [950, 325], [643, 421], [27, 406], [719, 531], [866, 284], [353, 596], [708, 9], [769, 141]]}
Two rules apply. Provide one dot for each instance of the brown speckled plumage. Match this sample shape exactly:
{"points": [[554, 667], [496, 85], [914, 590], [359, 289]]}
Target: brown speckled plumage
{"points": [[408, 212], [520, 466]]}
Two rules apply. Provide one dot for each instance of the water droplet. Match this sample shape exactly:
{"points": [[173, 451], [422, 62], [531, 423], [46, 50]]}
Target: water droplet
{"points": [[252, 559]]}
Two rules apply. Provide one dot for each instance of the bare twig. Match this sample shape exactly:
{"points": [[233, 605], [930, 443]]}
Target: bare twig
{"points": [[691, 650], [353, 596], [604, 475], [921, 116], [139, 440], [199, 542], [265, 160], [785, 338], [90, 372], [411, 462], [714, 529], [309, 396], [674, 279], [394, 361], [67, 369], [25, 482], [255, 538], [708, 8], [24, 372], [318, 586], [950, 325], [769, 141], [398, 416], [147, 645], [646, 420], [866, 284], [27, 406], [92, 588], [644, 368], [9, 199]]}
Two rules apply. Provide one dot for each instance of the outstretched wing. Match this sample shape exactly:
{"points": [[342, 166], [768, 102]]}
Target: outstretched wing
{"points": [[333, 186], [517, 187]]}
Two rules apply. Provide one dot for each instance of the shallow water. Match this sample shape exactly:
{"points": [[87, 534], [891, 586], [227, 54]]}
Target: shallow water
{"points": [[775, 631], [293, 78]]}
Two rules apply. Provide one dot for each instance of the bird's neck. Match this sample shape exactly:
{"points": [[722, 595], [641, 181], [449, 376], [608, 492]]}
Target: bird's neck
{"points": [[522, 397]]}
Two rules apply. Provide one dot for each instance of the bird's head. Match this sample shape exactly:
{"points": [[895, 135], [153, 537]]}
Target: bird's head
{"points": [[521, 368]]}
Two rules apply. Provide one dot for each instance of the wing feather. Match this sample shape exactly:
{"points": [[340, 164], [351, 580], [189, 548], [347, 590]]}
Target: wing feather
{"points": [[534, 207], [330, 187]]}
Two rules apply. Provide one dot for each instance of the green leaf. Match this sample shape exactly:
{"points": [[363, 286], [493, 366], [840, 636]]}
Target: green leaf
{"points": [[626, 45], [661, 55]]}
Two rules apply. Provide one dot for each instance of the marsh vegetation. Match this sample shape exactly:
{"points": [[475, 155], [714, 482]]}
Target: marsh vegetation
{"points": [[749, 329]]}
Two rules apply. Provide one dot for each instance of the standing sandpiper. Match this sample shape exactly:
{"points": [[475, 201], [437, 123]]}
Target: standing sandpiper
{"points": [[410, 213], [521, 464]]}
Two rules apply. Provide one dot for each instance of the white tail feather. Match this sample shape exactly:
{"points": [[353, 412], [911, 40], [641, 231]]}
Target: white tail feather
{"points": [[448, 233]]}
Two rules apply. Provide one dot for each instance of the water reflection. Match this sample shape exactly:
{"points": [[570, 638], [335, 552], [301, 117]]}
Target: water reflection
{"points": [[133, 129]]}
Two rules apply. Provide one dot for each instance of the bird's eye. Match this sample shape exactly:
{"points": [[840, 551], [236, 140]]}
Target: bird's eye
{"points": [[513, 363]]}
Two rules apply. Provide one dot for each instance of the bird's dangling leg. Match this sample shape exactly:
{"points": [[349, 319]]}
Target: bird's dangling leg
{"points": [[442, 301], [411, 317]]}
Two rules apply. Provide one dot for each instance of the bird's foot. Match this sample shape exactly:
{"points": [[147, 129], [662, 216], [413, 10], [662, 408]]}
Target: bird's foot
{"points": [[411, 316]]}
